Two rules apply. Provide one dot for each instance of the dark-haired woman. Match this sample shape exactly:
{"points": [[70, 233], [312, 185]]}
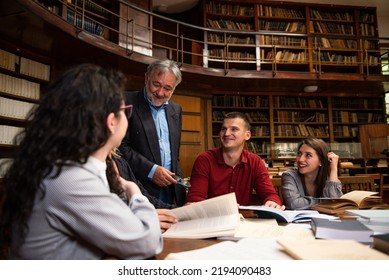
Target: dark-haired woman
{"points": [[58, 203], [316, 176]]}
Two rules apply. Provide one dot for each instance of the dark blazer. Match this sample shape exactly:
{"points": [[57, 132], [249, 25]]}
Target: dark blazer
{"points": [[140, 146]]}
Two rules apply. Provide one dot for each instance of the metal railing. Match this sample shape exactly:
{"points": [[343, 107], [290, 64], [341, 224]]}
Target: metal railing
{"points": [[130, 28]]}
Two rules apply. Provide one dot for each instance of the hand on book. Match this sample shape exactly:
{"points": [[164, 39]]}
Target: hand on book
{"points": [[273, 204], [166, 219]]}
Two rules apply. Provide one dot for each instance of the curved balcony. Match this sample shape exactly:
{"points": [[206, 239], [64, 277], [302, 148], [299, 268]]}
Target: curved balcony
{"points": [[125, 38]]}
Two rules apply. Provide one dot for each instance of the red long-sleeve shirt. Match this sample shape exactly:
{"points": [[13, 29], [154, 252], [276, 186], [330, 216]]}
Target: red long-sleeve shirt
{"points": [[211, 177]]}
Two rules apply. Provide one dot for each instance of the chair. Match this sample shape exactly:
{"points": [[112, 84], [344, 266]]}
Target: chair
{"points": [[378, 181], [277, 183], [352, 183]]}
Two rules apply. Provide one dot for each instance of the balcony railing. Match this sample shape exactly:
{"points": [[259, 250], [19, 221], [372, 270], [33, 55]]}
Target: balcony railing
{"points": [[130, 27]]}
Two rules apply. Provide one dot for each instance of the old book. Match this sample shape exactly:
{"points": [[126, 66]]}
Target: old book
{"points": [[286, 216], [341, 229], [330, 250], [214, 217], [350, 200]]}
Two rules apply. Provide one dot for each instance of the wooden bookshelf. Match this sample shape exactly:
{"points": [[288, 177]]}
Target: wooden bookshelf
{"points": [[22, 75], [303, 37], [239, 50], [280, 122], [94, 16]]}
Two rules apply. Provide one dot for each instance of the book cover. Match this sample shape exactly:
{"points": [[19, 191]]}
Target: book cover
{"points": [[341, 229], [284, 216]]}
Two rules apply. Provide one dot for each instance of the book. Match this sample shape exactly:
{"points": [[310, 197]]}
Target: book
{"points": [[371, 214], [214, 217], [348, 201], [381, 242], [330, 250], [269, 229], [284, 216], [244, 249], [341, 229]]}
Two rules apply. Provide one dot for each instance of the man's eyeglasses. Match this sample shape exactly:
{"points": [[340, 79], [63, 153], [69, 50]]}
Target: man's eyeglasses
{"points": [[128, 110]]}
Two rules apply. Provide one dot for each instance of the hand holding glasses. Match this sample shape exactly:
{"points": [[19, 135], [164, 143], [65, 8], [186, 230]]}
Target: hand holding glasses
{"points": [[182, 181]]}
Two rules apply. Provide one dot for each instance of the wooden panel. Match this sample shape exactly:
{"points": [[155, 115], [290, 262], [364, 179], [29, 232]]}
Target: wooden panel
{"points": [[191, 137], [188, 154], [188, 103], [191, 123]]}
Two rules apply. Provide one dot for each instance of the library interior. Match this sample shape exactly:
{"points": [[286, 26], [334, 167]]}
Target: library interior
{"points": [[294, 68]]}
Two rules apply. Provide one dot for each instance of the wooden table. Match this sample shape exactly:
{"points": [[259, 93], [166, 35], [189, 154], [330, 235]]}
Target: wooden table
{"points": [[175, 245]]}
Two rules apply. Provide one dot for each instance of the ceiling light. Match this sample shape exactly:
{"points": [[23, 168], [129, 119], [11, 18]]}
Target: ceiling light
{"points": [[310, 88]]}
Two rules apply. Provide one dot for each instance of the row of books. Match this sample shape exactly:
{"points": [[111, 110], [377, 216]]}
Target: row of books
{"points": [[297, 102], [14, 109], [240, 101], [284, 56], [290, 116], [251, 116], [8, 60], [24, 66], [8, 134], [85, 23], [4, 163], [333, 28], [300, 130], [217, 38], [360, 117], [285, 26], [19, 87], [92, 7], [260, 130], [269, 11], [221, 54], [345, 130], [226, 9], [357, 103], [345, 16], [335, 43], [282, 40], [229, 24], [367, 29], [335, 58]]}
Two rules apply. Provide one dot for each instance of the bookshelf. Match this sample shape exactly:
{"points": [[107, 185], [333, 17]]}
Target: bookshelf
{"points": [[305, 37], [22, 75], [239, 49], [256, 108], [280, 122], [94, 16], [289, 50]]}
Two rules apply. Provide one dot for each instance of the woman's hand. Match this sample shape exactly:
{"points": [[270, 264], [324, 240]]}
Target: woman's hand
{"points": [[129, 187]]}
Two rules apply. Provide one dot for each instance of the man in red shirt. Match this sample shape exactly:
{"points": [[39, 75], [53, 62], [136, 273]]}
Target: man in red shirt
{"points": [[231, 168]]}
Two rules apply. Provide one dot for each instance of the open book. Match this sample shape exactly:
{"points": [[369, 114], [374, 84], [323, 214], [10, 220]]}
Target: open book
{"points": [[350, 200], [286, 216], [214, 217], [321, 249], [244, 249]]}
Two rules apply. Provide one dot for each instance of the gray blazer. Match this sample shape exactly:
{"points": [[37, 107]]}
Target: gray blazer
{"points": [[293, 192], [140, 146]]}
